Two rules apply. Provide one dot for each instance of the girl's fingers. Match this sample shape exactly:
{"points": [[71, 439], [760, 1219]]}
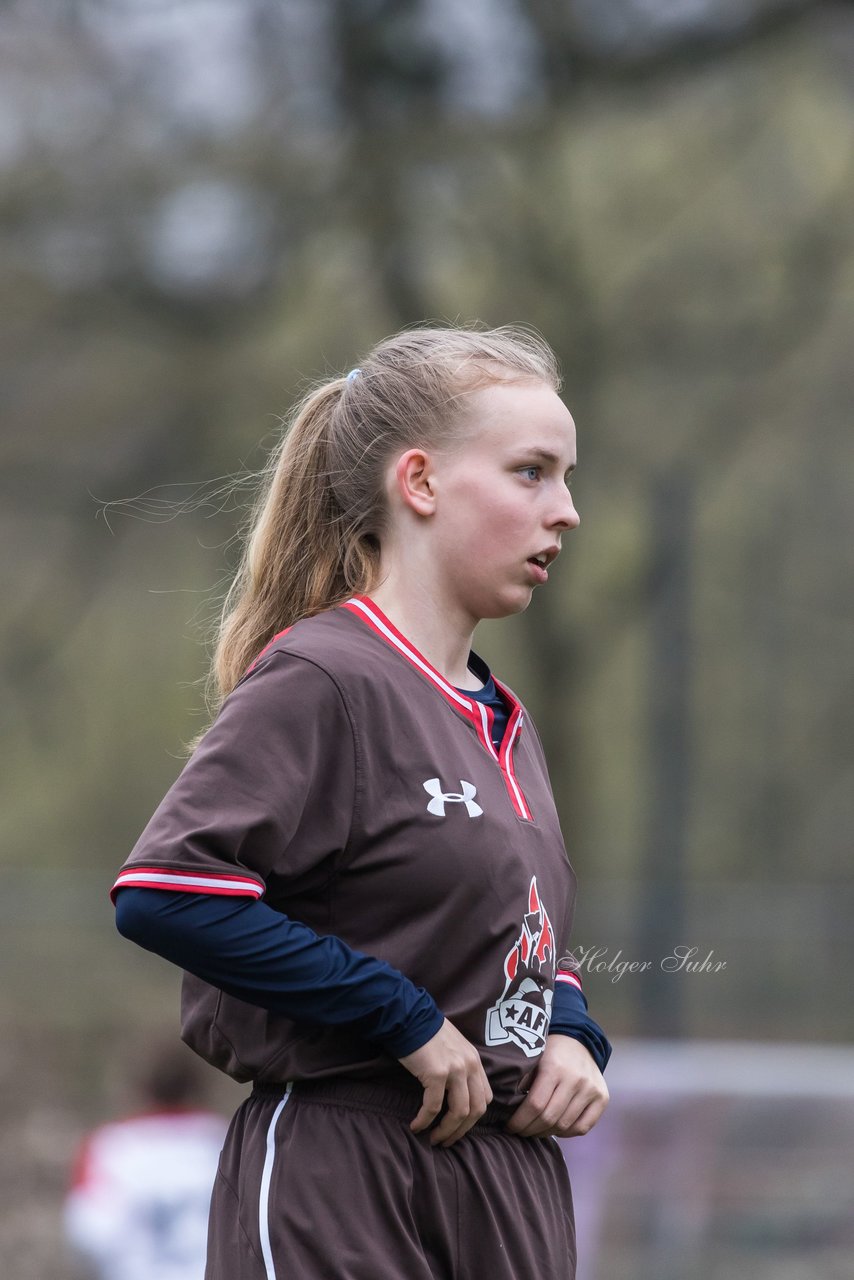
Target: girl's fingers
{"points": [[539, 1120], [448, 1066], [560, 1117], [528, 1119], [431, 1105], [568, 1094], [466, 1104], [574, 1125], [459, 1117]]}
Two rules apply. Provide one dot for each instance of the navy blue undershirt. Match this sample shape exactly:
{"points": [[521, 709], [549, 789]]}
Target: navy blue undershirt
{"points": [[490, 697], [247, 949]]}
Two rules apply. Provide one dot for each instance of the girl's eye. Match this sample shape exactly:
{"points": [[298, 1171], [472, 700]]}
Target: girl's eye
{"points": [[531, 473]]}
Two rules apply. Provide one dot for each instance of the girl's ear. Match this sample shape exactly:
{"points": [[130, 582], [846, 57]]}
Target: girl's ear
{"points": [[414, 481]]}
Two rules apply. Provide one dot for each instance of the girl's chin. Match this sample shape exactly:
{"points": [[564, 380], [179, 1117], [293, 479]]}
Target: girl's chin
{"points": [[506, 605]]}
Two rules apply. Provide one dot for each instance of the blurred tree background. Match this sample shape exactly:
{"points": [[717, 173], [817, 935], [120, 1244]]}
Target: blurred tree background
{"points": [[206, 203]]}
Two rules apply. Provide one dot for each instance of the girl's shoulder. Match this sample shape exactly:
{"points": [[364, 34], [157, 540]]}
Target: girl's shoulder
{"points": [[331, 651], [333, 640]]}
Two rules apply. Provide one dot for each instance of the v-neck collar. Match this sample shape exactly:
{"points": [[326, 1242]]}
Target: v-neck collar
{"points": [[477, 713]]}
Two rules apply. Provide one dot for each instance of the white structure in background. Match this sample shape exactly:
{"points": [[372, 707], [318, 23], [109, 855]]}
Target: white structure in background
{"points": [[725, 1157]]}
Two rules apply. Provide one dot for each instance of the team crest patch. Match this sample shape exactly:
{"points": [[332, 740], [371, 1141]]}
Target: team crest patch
{"points": [[523, 1012]]}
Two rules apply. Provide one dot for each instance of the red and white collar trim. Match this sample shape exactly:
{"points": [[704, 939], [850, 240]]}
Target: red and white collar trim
{"points": [[478, 715]]}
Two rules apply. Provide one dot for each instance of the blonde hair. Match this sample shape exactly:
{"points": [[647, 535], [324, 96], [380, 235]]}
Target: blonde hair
{"points": [[314, 537]]}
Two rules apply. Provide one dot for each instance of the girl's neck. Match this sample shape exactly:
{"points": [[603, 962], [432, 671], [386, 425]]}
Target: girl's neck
{"points": [[444, 639]]}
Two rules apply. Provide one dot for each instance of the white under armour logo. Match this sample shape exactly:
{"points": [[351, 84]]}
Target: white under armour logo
{"points": [[465, 796]]}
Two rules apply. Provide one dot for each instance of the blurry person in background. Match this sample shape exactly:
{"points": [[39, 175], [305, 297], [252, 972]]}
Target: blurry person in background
{"points": [[141, 1188]]}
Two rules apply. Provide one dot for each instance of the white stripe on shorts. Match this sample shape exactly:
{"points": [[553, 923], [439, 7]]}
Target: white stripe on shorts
{"points": [[266, 1179]]}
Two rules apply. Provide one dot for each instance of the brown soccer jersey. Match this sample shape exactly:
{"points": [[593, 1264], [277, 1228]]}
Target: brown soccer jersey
{"points": [[346, 781]]}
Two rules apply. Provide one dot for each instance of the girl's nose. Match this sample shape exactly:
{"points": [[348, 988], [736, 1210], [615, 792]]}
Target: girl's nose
{"points": [[568, 517]]}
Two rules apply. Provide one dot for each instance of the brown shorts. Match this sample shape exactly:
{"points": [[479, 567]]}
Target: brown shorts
{"points": [[328, 1182]]}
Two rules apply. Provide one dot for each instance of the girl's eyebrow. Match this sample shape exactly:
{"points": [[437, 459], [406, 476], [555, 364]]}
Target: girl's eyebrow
{"points": [[545, 455]]}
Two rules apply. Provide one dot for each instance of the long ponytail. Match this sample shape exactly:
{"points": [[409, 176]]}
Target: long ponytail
{"points": [[315, 534], [292, 565]]}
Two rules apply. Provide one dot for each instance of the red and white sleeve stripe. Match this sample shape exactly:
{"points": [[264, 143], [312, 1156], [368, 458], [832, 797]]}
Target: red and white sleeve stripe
{"points": [[569, 976], [230, 884]]}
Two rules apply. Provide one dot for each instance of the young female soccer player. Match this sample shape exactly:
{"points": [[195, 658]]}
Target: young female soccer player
{"points": [[360, 867]]}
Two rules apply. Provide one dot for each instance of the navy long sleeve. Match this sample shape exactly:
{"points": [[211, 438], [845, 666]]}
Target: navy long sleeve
{"points": [[245, 948], [570, 1018]]}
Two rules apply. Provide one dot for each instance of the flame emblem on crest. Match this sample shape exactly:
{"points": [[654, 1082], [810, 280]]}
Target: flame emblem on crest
{"points": [[523, 1011], [536, 938]]}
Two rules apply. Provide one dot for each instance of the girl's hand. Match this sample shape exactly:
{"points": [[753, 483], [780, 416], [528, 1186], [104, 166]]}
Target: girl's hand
{"points": [[449, 1064], [568, 1095]]}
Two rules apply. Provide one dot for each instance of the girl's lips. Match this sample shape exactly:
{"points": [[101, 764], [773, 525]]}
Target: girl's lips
{"points": [[538, 573]]}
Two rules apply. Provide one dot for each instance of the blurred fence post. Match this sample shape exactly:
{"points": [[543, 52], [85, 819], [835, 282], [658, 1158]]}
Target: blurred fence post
{"points": [[661, 909]]}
